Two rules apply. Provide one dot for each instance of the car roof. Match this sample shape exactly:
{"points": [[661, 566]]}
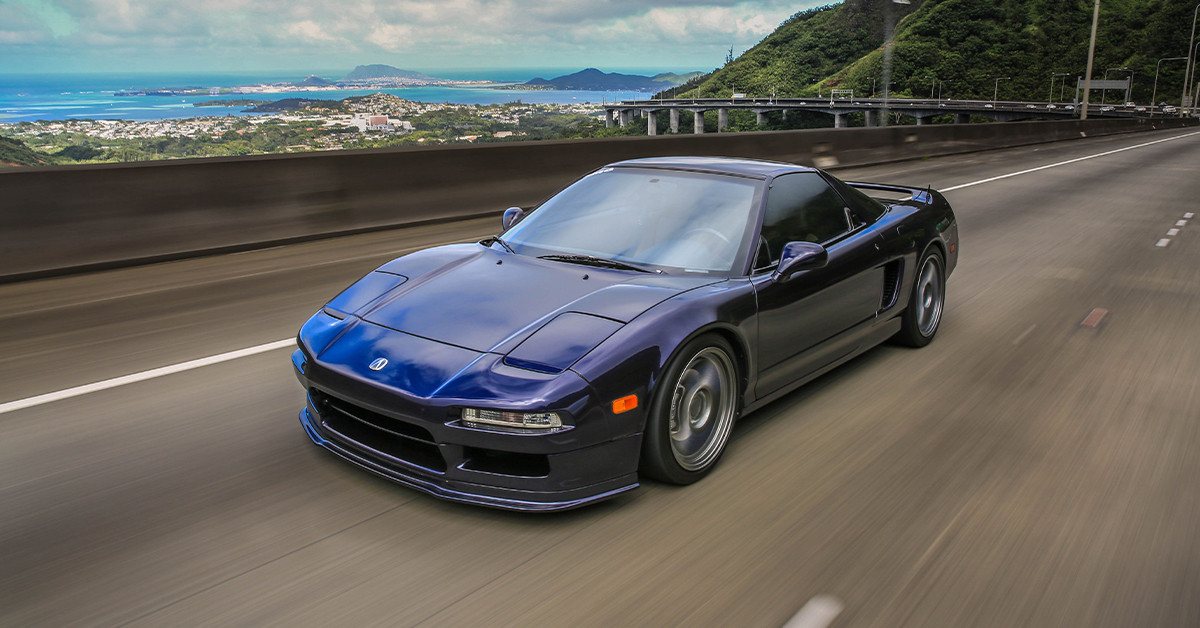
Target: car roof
{"points": [[724, 165]]}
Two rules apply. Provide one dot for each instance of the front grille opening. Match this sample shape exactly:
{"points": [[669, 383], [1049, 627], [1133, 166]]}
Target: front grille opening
{"points": [[506, 463], [891, 284], [365, 429]]}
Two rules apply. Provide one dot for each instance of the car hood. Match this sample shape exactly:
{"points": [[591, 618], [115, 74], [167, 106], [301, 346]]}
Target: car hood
{"points": [[485, 300]]}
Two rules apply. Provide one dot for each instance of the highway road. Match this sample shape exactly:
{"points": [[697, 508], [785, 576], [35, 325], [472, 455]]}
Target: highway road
{"points": [[1023, 470]]}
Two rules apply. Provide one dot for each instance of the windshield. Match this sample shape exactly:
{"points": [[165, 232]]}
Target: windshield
{"points": [[677, 220]]}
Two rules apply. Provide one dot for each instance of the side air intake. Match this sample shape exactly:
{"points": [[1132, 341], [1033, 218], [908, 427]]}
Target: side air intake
{"points": [[891, 284]]}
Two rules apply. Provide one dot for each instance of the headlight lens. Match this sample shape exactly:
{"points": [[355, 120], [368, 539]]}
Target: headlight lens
{"points": [[474, 417]]}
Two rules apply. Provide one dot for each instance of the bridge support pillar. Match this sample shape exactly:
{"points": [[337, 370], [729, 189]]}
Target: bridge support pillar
{"points": [[784, 113], [760, 118], [722, 120], [839, 120], [925, 120], [651, 122], [962, 118], [608, 120], [623, 117], [699, 122], [674, 120], [872, 118]]}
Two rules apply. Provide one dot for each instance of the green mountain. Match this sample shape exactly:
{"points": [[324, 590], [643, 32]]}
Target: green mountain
{"points": [[592, 79], [965, 43], [379, 71], [14, 152]]}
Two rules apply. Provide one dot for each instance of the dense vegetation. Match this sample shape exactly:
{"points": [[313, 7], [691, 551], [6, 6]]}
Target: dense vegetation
{"points": [[14, 152], [967, 44]]}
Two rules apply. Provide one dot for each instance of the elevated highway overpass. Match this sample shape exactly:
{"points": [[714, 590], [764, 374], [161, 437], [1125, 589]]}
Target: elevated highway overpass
{"points": [[923, 110]]}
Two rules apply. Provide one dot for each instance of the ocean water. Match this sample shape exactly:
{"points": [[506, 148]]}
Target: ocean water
{"points": [[30, 97]]}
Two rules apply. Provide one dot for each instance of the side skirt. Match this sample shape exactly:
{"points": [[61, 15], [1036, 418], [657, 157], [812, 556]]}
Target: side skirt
{"points": [[880, 333]]}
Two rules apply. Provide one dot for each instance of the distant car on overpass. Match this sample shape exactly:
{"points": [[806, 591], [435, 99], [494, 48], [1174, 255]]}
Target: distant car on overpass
{"points": [[619, 329]]}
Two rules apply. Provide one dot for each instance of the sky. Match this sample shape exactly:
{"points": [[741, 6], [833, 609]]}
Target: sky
{"points": [[41, 36]]}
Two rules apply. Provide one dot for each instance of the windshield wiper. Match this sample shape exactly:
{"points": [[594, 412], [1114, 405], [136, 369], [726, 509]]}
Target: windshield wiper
{"points": [[590, 260], [502, 243]]}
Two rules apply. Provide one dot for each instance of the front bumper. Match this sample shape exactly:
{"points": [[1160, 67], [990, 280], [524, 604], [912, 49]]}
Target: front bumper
{"points": [[524, 472], [468, 492]]}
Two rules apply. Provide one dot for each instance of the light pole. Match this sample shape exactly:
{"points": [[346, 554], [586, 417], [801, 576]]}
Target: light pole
{"points": [[1104, 92], [941, 84], [996, 91], [1154, 94], [1052, 75], [1190, 79], [932, 85], [1087, 78], [1183, 100]]}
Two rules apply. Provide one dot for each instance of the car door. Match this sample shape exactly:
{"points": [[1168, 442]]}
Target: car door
{"points": [[798, 318]]}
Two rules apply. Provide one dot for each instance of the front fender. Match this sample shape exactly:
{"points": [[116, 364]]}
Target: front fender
{"points": [[631, 361]]}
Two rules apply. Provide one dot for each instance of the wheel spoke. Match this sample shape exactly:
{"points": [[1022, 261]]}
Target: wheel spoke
{"points": [[702, 409]]}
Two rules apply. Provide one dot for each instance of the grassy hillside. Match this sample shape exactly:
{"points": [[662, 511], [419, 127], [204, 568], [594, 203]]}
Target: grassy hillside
{"points": [[808, 47], [967, 43], [14, 152]]}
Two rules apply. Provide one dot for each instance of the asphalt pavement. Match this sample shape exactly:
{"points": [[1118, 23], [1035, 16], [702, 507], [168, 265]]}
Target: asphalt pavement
{"points": [[1025, 469]]}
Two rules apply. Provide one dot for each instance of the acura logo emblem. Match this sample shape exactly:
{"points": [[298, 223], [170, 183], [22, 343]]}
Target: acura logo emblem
{"points": [[379, 363]]}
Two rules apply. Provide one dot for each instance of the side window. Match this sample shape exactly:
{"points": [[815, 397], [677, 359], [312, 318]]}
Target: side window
{"points": [[799, 207]]}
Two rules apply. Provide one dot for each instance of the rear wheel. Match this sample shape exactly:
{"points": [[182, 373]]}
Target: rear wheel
{"points": [[921, 319], [693, 412]]}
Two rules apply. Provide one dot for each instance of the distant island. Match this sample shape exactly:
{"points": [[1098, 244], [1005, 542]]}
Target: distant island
{"points": [[592, 79], [314, 81], [379, 71]]}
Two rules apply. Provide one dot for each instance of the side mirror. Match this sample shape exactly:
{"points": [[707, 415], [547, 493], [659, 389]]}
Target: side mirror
{"points": [[512, 216], [798, 256]]}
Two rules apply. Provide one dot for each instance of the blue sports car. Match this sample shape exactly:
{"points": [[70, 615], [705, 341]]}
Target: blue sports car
{"points": [[618, 329]]}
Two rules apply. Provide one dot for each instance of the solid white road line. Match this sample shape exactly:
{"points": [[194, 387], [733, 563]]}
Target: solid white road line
{"points": [[29, 402], [1063, 163], [819, 612], [270, 346]]}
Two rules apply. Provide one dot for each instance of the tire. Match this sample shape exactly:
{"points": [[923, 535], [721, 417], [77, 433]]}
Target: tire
{"points": [[702, 380], [923, 316]]}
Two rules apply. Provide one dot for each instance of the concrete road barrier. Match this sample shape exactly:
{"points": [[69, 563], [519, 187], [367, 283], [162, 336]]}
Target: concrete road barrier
{"points": [[63, 219]]}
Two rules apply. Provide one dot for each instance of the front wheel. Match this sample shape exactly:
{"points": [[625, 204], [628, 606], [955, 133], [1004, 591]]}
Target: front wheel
{"points": [[921, 319], [693, 412]]}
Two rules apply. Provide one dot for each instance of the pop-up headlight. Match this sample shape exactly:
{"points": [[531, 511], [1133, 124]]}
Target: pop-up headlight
{"points": [[472, 417]]}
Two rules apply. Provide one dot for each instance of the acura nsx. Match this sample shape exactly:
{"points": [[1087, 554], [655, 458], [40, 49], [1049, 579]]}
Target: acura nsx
{"points": [[618, 329]]}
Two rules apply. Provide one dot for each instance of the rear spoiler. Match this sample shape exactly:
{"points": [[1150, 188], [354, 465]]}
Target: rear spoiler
{"points": [[896, 193]]}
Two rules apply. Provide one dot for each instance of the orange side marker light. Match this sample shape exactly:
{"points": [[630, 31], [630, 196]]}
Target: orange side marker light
{"points": [[624, 404]]}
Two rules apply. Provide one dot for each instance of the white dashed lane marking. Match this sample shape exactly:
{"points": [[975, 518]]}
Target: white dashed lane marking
{"points": [[1163, 242], [819, 612]]}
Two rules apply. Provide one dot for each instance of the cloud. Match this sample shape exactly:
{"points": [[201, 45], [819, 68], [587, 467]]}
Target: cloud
{"points": [[59, 22], [428, 33], [310, 31]]}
